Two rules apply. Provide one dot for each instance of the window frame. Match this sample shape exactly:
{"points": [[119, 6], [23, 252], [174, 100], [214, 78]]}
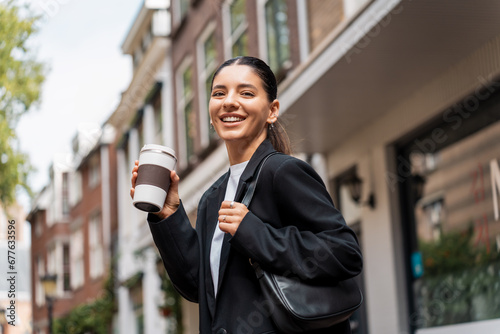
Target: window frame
{"points": [[77, 266], [205, 73], [230, 38], [94, 172], [182, 102], [286, 64], [96, 252]]}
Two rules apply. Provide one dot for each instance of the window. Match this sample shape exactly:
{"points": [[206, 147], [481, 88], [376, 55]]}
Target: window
{"points": [[146, 41], [323, 16], [52, 260], [451, 231], [75, 195], [140, 128], [186, 114], [238, 34], [95, 246], [66, 268], [40, 270], [94, 172], [38, 225], [137, 57], [65, 194], [278, 36], [137, 297], [76, 252], [208, 62], [157, 105]]}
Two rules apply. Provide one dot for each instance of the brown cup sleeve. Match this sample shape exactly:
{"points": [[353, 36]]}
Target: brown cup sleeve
{"points": [[153, 175]]}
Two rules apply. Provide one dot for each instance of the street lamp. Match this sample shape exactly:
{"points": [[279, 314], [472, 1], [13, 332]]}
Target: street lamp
{"points": [[49, 284]]}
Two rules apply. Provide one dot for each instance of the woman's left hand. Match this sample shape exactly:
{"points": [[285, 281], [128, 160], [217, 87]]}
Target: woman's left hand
{"points": [[231, 214]]}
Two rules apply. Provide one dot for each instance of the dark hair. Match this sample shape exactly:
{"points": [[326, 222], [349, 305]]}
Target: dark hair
{"points": [[275, 132]]}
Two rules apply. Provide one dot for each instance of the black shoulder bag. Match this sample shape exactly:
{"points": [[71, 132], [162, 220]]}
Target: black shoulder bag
{"points": [[299, 306]]}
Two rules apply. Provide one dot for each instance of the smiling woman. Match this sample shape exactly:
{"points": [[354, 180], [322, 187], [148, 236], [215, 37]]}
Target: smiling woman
{"points": [[240, 111], [262, 79], [209, 263]]}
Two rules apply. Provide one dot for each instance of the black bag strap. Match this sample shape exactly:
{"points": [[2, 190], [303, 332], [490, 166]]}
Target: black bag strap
{"points": [[251, 187], [248, 198]]}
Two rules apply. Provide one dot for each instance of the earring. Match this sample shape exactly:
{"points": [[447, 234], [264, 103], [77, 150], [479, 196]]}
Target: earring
{"points": [[271, 126], [211, 125]]}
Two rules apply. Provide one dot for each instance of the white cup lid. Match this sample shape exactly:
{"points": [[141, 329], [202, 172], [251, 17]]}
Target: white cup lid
{"points": [[161, 148]]}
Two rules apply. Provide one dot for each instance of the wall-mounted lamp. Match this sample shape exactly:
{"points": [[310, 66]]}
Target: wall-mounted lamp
{"points": [[354, 184], [49, 285]]}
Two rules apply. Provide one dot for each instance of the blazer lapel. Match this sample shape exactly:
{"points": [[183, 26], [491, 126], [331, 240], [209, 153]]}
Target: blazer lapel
{"points": [[264, 149], [213, 204]]}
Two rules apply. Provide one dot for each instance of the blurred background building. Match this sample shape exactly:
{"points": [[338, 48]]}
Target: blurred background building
{"points": [[19, 258], [394, 103]]}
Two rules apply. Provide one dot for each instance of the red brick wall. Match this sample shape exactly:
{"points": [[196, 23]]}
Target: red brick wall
{"points": [[323, 17]]}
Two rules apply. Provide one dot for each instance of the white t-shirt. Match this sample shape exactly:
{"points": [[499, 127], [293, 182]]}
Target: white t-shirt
{"points": [[235, 172]]}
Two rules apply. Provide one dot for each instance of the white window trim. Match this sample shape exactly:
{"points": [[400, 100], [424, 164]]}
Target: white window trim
{"points": [[202, 78], [75, 191], [229, 38], [94, 172], [303, 24], [77, 258], [261, 30], [95, 245], [483, 327], [181, 104], [39, 296]]}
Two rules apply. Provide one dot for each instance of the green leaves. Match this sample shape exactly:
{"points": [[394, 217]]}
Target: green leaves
{"points": [[21, 77]]}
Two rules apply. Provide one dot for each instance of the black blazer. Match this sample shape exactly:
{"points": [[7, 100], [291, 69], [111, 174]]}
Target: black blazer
{"points": [[292, 227]]}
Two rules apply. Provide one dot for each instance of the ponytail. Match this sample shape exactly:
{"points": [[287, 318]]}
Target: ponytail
{"points": [[279, 138]]}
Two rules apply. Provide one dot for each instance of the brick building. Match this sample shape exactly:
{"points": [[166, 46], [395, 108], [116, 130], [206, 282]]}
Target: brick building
{"points": [[399, 95], [74, 223], [15, 295]]}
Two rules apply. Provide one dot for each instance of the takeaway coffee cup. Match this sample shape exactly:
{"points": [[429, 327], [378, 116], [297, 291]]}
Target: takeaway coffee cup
{"points": [[153, 177]]}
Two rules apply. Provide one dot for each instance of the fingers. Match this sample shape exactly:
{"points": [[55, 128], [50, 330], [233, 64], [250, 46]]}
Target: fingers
{"points": [[231, 205], [134, 178], [231, 209], [231, 214], [172, 200], [174, 181], [134, 173]]}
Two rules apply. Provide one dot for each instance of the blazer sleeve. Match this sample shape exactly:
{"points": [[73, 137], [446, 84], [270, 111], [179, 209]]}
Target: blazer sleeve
{"points": [[178, 244], [313, 241]]}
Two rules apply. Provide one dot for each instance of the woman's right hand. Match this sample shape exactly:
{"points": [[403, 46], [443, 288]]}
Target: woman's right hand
{"points": [[172, 201]]}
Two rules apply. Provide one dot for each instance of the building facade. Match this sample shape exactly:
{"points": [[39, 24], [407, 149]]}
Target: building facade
{"points": [[74, 225], [142, 116], [400, 95], [15, 290], [396, 99]]}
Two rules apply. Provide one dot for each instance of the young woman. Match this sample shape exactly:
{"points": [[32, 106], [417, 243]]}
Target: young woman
{"points": [[291, 225]]}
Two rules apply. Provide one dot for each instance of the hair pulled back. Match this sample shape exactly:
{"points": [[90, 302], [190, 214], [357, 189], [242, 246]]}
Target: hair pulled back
{"points": [[276, 132]]}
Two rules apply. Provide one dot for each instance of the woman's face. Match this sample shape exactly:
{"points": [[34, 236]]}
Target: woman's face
{"points": [[239, 107]]}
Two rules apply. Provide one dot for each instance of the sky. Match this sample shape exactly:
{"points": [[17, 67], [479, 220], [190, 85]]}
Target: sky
{"points": [[80, 42]]}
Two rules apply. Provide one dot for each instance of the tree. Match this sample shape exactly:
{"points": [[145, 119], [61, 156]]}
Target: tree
{"points": [[21, 77]]}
